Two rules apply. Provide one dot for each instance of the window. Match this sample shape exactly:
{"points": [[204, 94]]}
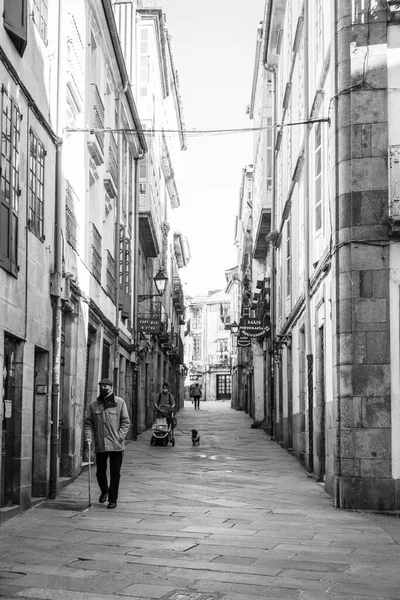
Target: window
{"points": [[269, 136], [110, 273], [40, 17], [36, 186], [197, 319], [318, 176], [223, 345], [14, 19], [9, 182], [196, 346], [96, 254], [71, 221]]}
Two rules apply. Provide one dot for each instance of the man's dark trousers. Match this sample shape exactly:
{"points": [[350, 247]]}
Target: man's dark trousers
{"points": [[115, 469], [196, 401]]}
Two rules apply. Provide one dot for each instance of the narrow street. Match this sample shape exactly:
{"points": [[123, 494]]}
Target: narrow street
{"points": [[234, 518]]}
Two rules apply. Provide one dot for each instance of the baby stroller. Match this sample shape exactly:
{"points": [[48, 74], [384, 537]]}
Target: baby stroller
{"points": [[163, 428]]}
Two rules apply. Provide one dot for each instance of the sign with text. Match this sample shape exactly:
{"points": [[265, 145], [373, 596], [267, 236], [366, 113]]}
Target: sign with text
{"points": [[254, 328], [149, 325], [243, 341]]}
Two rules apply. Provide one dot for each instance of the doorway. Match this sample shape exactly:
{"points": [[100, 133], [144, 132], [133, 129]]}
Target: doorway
{"points": [[40, 423], [12, 399], [224, 387]]}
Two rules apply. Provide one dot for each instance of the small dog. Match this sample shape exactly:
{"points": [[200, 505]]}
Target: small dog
{"points": [[195, 437]]}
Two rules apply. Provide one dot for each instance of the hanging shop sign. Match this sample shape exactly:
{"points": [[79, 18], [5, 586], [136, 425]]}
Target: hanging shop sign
{"points": [[149, 325], [243, 341], [254, 328]]}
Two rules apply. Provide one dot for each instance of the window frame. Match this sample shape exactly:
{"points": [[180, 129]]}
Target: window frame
{"points": [[40, 16], [36, 196], [318, 178], [10, 191]]}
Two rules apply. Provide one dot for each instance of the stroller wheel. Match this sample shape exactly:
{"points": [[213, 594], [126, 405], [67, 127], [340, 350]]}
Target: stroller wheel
{"points": [[165, 441], [173, 441], [153, 440]]}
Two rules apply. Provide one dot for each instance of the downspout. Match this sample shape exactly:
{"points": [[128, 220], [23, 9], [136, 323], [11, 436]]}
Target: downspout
{"points": [[310, 358], [337, 474], [272, 69], [56, 276], [117, 234], [136, 266]]}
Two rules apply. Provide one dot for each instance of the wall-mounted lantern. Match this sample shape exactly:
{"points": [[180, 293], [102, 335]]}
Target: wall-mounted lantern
{"points": [[160, 280]]}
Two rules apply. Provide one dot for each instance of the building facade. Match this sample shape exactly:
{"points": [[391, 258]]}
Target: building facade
{"points": [[208, 346], [324, 237], [85, 225]]}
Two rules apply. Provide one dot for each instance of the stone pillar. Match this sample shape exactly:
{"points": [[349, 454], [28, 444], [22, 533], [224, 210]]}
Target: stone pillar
{"points": [[361, 408]]}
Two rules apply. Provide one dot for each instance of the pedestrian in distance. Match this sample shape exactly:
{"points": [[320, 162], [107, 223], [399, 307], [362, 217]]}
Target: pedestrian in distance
{"points": [[165, 404], [196, 393], [107, 422]]}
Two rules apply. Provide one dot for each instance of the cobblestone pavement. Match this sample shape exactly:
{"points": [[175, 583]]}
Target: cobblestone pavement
{"points": [[235, 518]]}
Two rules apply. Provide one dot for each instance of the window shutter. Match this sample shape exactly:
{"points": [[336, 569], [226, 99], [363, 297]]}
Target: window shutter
{"points": [[4, 235], [15, 22]]}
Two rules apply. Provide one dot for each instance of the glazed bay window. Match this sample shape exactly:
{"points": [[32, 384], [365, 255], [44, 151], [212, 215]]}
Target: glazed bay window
{"points": [[288, 257], [9, 182], [196, 318], [40, 17], [197, 346], [36, 186], [96, 254]]}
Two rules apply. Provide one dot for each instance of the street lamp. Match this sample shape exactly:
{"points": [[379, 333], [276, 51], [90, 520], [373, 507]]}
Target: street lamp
{"points": [[234, 328], [160, 281]]}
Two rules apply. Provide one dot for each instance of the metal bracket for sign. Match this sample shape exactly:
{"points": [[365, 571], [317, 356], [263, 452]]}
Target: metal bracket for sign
{"points": [[280, 341]]}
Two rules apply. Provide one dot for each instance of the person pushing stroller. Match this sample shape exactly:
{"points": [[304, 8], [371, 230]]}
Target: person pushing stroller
{"points": [[165, 404]]}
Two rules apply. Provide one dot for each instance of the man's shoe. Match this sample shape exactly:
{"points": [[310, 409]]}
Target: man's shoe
{"points": [[103, 497], [112, 505]]}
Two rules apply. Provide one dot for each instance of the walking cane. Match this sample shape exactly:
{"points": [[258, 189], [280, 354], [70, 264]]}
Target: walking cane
{"points": [[90, 475]]}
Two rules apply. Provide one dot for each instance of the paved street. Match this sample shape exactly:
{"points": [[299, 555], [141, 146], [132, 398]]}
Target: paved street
{"points": [[235, 518]]}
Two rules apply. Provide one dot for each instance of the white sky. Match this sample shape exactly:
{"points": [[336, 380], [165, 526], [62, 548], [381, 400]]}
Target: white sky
{"points": [[213, 43]]}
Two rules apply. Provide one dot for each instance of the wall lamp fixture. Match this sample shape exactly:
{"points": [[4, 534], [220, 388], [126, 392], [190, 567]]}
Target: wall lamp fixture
{"points": [[280, 341], [160, 280], [234, 328]]}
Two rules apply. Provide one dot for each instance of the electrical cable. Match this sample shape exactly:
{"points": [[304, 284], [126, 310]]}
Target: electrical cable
{"points": [[194, 132]]}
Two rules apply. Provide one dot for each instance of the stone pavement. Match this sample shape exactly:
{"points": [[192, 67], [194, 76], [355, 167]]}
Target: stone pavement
{"points": [[235, 518]]}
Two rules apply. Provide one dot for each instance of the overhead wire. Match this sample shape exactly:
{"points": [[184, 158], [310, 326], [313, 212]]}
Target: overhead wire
{"points": [[194, 132]]}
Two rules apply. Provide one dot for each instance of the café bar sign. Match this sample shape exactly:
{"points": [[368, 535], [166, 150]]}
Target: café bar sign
{"points": [[254, 328], [149, 325]]}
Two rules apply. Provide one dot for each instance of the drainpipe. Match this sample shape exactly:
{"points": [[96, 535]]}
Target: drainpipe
{"points": [[308, 337], [136, 266], [271, 381], [56, 275], [117, 234]]}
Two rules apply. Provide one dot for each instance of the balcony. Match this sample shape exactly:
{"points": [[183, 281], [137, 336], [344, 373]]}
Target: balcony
{"points": [[181, 249], [221, 359], [149, 221], [262, 225], [96, 139]]}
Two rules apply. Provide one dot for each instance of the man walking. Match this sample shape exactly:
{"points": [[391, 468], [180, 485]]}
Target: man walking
{"points": [[196, 393], [107, 421]]}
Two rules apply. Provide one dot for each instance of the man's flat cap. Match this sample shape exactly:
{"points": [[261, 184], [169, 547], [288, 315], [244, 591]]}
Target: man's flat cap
{"points": [[105, 382]]}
